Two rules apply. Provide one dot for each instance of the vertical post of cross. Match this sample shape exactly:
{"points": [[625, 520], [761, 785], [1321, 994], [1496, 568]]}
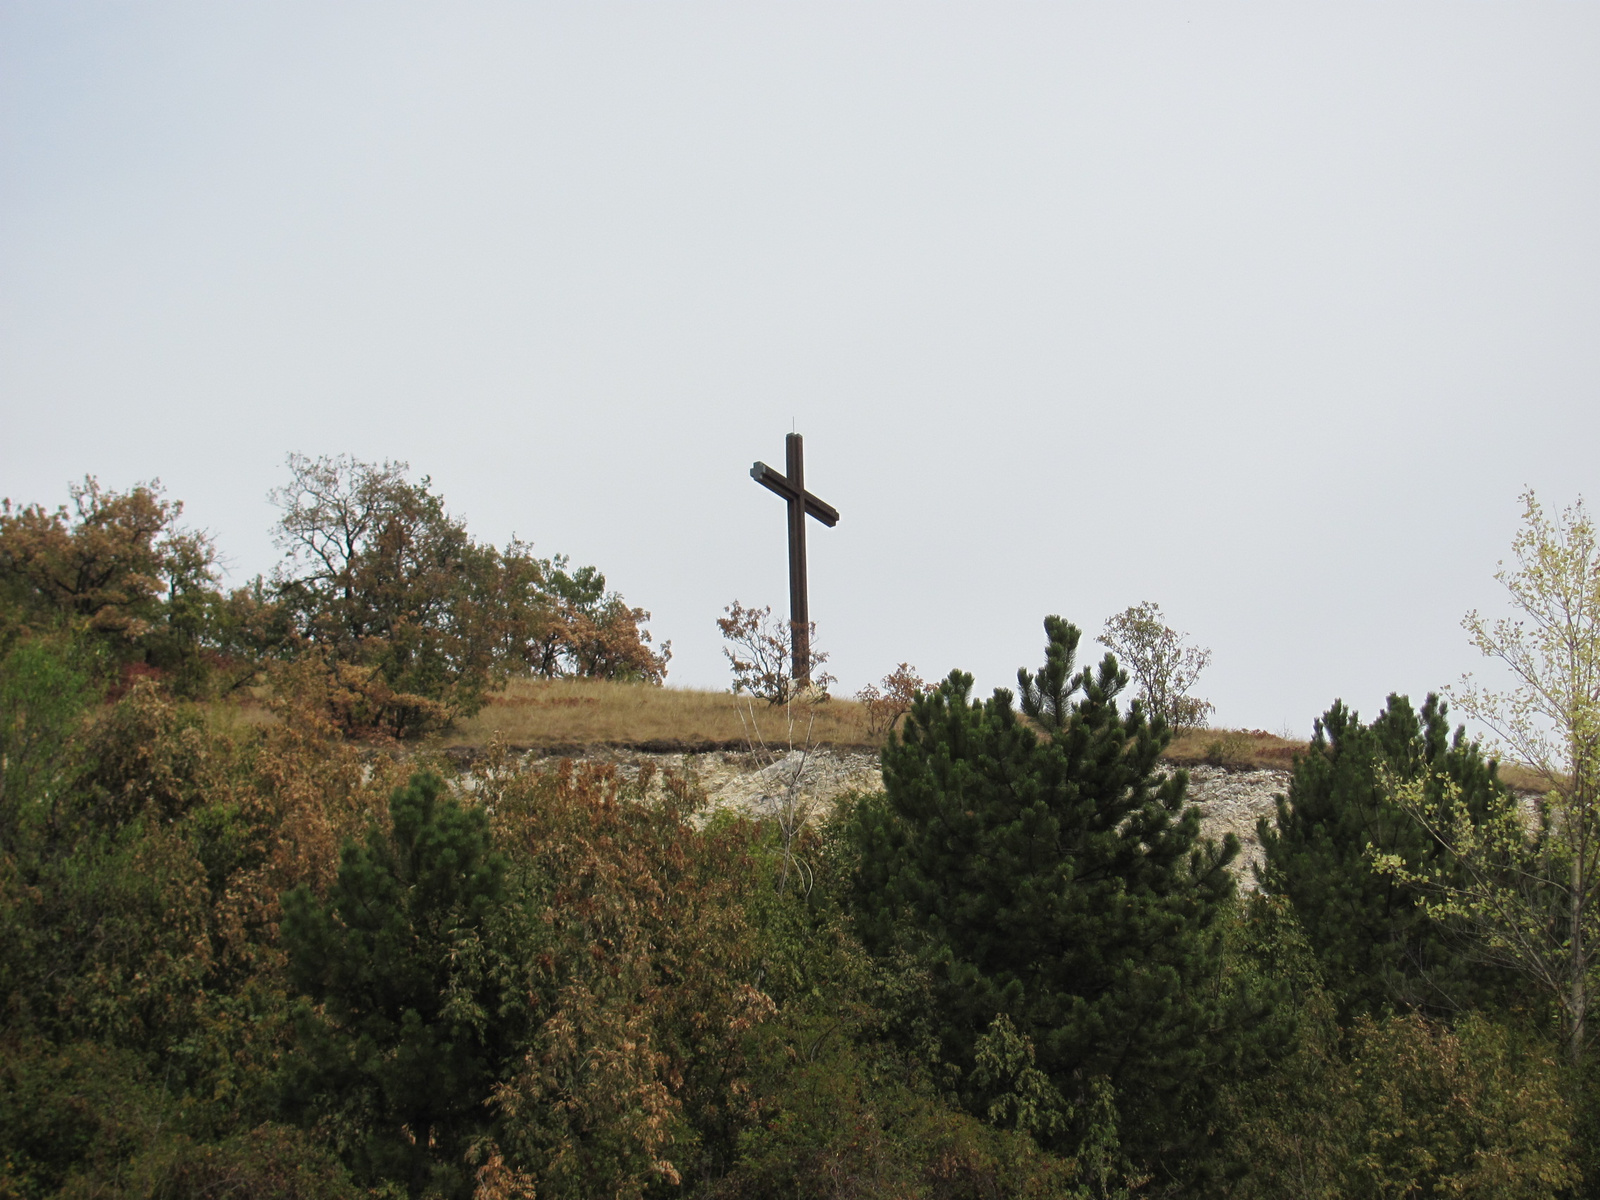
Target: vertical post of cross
{"points": [[799, 603], [801, 503]]}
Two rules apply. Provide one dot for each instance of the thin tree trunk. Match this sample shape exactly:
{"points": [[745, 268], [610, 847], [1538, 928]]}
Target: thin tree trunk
{"points": [[1579, 999], [419, 1156]]}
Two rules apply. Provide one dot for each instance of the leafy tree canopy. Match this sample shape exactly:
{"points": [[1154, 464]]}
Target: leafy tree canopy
{"points": [[414, 618], [1162, 665], [117, 569]]}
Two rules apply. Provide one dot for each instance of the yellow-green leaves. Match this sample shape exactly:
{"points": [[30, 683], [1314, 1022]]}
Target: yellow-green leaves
{"points": [[1550, 719], [1528, 875]]}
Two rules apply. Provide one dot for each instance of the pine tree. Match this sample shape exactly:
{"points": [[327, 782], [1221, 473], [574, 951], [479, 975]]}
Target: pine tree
{"points": [[1376, 946], [407, 1037], [1056, 879]]}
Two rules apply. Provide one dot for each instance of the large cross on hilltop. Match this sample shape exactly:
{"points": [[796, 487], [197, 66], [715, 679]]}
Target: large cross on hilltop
{"points": [[792, 487]]}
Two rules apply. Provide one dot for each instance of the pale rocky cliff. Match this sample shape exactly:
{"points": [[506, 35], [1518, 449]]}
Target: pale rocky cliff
{"points": [[1230, 800]]}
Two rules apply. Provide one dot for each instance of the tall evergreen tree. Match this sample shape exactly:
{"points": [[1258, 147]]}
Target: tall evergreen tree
{"points": [[1376, 946], [1051, 874], [408, 1036]]}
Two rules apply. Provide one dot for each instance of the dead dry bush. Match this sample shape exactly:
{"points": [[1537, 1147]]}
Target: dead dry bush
{"points": [[761, 654], [890, 699]]}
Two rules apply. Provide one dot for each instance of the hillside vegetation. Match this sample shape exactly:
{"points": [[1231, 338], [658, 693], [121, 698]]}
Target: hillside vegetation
{"points": [[264, 933]]}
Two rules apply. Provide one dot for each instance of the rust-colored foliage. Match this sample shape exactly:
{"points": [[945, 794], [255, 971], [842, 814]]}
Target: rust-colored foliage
{"points": [[353, 699], [558, 623], [117, 568], [607, 640], [762, 656], [306, 794], [642, 983], [106, 561], [412, 620], [885, 705]]}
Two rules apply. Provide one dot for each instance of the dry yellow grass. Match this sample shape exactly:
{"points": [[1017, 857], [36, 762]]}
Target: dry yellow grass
{"points": [[237, 713], [1247, 748], [1237, 748], [574, 713], [563, 713], [1524, 779]]}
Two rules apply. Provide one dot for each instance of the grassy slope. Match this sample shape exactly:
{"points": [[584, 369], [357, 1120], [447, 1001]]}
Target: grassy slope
{"points": [[562, 713], [568, 715], [571, 713]]}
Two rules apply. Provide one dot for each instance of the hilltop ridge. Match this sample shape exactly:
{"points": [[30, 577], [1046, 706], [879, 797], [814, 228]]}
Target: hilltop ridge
{"points": [[577, 717]]}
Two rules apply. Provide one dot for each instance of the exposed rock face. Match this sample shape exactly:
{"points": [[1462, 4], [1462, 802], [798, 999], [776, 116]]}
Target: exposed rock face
{"points": [[1230, 801], [814, 779], [755, 783]]}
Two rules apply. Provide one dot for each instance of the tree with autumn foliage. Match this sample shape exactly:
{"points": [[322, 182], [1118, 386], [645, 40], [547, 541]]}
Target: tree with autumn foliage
{"points": [[416, 620], [886, 704], [379, 581], [562, 623], [115, 567]]}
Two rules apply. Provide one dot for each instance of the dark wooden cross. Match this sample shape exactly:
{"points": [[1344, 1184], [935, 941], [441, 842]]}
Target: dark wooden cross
{"points": [[792, 487]]}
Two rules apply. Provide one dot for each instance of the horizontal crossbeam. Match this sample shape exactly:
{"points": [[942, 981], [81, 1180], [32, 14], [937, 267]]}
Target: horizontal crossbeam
{"points": [[778, 482]]}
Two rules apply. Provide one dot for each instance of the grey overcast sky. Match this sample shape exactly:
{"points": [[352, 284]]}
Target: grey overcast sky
{"points": [[1265, 312]]}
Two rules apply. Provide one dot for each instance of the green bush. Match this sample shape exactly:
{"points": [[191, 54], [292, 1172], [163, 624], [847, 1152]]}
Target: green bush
{"points": [[84, 1121], [46, 692], [1232, 749], [1397, 1105]]}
